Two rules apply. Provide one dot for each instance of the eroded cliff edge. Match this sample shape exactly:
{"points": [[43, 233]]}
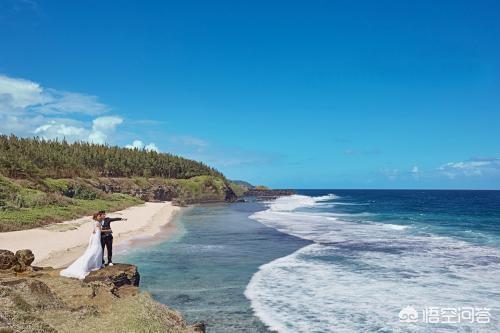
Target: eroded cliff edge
{"points": [[37, 299]]}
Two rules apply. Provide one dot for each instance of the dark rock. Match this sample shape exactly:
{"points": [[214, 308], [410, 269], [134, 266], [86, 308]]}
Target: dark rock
{"points": [[69, 192], [7, 259], [200, 327], [25, 257], [268, 194], [117, 275], [164, 193], [230, 195]]}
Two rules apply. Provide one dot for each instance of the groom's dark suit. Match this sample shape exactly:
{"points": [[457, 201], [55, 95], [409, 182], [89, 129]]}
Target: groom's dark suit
{"points": [[107, 237]]}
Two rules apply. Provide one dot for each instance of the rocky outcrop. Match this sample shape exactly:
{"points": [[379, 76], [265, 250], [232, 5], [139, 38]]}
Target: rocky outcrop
{"points": [[149, 191], [117, 275], [268, 193], [230, 195], [25, 258], [7, 259], [19, 262], [39, 300], [161, 190]]}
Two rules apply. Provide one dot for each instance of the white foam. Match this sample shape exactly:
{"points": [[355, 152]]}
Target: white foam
{"points": [[356, 277], [293, 202], [395, 226], [327, 197]]}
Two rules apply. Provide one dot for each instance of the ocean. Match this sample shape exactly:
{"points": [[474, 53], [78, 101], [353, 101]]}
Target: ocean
{"points": [[334, 261]]}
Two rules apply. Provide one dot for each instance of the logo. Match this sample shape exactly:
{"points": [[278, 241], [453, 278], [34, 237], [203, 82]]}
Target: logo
{"points": [[408, 315], [446, 315]]}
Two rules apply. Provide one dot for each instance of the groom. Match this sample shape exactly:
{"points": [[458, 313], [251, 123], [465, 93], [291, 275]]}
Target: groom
{"points": [[107, 234]]}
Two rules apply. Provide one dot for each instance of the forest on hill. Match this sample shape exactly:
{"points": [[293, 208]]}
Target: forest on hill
{"points": [[46, 181], [34, 157]]}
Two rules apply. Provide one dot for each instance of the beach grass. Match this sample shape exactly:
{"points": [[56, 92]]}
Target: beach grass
{"points": [[40, 213]]}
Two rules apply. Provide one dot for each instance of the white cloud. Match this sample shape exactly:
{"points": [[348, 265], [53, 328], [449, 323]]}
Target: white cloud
{"points": [[152, 147], [106, 123], [55, 130], [19, 125], [19, 93], [472, 167], [27, 109], [102, 127], [24, 96], [63, 102], [415, 172], [71, 130], [138, 144]]}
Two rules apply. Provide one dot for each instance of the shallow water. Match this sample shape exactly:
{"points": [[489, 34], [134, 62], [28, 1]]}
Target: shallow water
{"points": [[204, 270]]}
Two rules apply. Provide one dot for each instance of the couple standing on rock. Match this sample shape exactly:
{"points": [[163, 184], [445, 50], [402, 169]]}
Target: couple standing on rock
{"points": [[93, 258]]}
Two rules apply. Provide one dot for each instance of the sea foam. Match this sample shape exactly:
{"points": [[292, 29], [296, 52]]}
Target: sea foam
{"points": [[356, 277]]}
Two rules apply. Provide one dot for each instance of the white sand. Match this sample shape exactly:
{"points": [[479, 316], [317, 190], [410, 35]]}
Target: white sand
{"points": [[59, 244]]}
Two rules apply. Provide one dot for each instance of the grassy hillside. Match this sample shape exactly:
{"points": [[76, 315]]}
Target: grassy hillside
{"points": [[24, 206], [43, 182]]}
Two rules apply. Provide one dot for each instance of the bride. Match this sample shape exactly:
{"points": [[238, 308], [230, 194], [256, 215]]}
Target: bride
{"points": [[91, 260]]}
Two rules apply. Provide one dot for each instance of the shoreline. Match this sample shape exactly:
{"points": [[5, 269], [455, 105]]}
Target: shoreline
{"points": [[165, 232], [57, 245]]}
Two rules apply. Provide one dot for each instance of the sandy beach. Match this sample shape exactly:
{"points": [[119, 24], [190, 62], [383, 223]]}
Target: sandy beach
{"points": [[59, 244]]}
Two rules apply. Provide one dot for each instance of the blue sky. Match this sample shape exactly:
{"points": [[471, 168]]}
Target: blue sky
{"points": [[304, 94]]}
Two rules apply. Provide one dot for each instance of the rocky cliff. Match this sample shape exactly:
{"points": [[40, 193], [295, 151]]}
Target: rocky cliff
{"points": [[183, 191], [30, 203], [37, 299], [266, 194]]}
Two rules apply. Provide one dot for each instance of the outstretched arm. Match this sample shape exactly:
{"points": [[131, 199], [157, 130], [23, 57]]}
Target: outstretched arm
{"points": [[116, 219]]}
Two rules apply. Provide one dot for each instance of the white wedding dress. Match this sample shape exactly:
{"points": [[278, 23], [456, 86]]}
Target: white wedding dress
{"points": [[90, 261]]}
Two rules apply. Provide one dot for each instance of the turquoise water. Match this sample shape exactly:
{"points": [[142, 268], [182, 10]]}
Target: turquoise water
{"points": [[204, 270], [332, 261]]}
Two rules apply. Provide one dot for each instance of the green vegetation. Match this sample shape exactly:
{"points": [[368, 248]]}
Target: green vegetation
{"points": [[261, 187], [238, 189], [25, 208], [42, 182], [35, 158], [201, 189]]}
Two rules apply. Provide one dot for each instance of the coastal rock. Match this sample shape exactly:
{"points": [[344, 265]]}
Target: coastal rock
{"points": [[164, 193], [7, 259], [25, 257], [230, 195], [117, 275], [46, 302], [268, 193], [200, 327], [154, 190], [35, 293]]}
